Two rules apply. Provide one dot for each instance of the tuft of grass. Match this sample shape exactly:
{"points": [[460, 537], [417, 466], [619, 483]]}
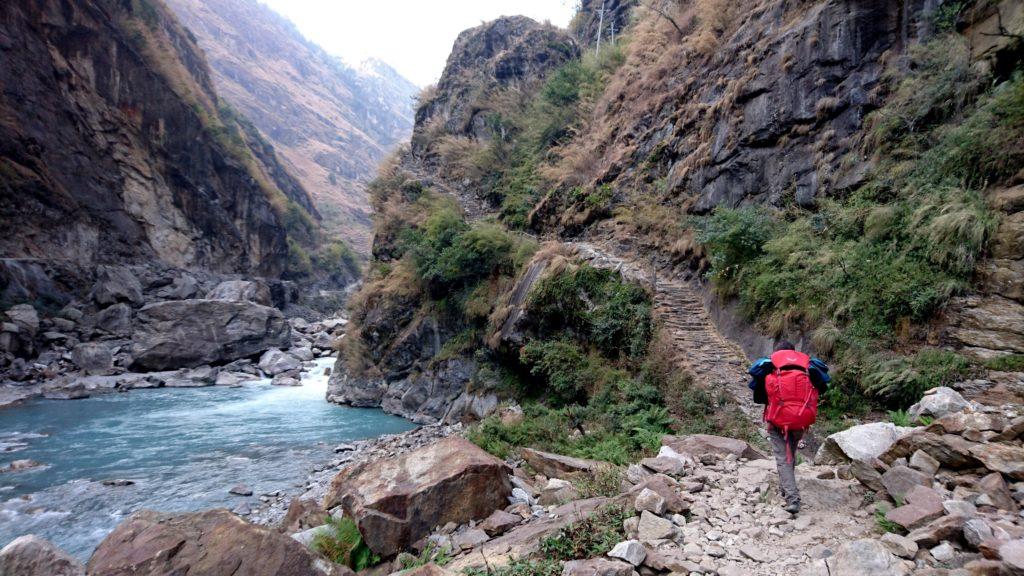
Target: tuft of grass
{"points": [[902, 380], [520, 567], [344, 545], [886, 525], [1008, 363], [606, 481], [430, 554]]}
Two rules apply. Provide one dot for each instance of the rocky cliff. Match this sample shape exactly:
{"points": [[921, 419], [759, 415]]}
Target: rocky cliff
{"points": [[116, 147], [394, 355], [843, 174], [331, 124]]}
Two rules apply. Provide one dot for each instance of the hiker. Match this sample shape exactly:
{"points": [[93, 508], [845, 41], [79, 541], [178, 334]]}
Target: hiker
{"points": [[789, 384]]}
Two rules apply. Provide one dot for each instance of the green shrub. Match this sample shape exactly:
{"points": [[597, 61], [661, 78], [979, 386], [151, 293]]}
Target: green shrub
{"points": [[1009, 363], [337, 259], [619, 438], [902, 380], [589, 537], [430, 554], [562, 366], [734, 238], [299, 224], [596, 306], [605, 482], [299, 264], [344, 545]]}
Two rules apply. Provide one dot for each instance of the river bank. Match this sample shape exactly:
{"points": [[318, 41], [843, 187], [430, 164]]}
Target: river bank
{"points": [[104, 457]]}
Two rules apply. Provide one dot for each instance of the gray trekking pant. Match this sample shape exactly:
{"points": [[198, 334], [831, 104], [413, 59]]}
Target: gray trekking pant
{"points": [[784, 448]]}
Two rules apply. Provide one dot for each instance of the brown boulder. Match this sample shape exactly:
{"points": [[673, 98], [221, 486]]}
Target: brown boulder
{"points": [[696, 445], [397, 501], [665, 487], [945, 528], [211, 543], [302, 515], [500, 522], [899, 480], [867, 473], [959, 421], [950, 450], [557, 465], [33, 556], [1001, 458], [923, 505], [997, 491]]}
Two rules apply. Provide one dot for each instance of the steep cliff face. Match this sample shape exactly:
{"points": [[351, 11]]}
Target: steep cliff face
{"points": [[747, 107], [115, 148], [509, 54], [330, 123], [397, 349], [843, 174]]}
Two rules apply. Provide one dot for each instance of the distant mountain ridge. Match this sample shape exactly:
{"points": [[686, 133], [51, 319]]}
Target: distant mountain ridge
{"points": [[330, 122]]}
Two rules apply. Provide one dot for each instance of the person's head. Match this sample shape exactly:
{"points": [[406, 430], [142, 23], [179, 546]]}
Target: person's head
{"points": [[784, 345]]}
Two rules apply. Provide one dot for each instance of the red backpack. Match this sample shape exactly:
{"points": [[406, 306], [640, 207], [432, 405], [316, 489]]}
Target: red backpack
{"points": [[792, 398]]}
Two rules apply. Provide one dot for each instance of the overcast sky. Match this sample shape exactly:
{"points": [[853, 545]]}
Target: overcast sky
{"points": [[414, 36]]}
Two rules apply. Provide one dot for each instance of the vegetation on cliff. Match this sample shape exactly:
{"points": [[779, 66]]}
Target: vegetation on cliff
{"points": [[839, 192], [864, 274]]}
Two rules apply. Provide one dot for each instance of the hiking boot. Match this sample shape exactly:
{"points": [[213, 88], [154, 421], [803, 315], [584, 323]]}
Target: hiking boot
{"points": [[792, 508]]}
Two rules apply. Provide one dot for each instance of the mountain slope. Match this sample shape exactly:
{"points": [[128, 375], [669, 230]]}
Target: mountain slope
{"points": [[115, 147], [845, 175], [331, 124]]}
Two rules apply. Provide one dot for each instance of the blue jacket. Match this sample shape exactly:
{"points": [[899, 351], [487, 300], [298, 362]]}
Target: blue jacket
{"points": [[763, 367]]}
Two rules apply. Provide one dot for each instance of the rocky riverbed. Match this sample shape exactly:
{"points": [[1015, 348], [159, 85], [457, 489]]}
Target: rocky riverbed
{"points": [[140, 327], [938, 499]]}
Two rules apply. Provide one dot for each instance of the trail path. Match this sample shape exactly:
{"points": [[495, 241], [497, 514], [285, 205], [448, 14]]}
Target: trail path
{"points": [[716, 362]]}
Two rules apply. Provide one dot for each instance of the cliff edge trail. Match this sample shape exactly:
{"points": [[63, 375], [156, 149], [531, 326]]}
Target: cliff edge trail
{"points": [[716, 363]]}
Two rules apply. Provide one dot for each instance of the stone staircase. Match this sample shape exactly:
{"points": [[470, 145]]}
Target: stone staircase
{"points": [[715, 362]]}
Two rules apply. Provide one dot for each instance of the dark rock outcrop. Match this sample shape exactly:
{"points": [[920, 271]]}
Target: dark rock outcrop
{"points": [[213, 543], [512, 52], [805, 86], [190, 333], [114, 146], [397, 501]]}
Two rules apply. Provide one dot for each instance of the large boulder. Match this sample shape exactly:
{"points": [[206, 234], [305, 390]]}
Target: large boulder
{"points": [[557, 465], [115, 319], [190, 333], [1003, 458], [116, 284], [33, 556], [241, 291], [274, 362], [25, 317], [397, 501], [93, 357], [697, 445], [864, 442], [938, 402], [950, 450], [211, 543]]}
